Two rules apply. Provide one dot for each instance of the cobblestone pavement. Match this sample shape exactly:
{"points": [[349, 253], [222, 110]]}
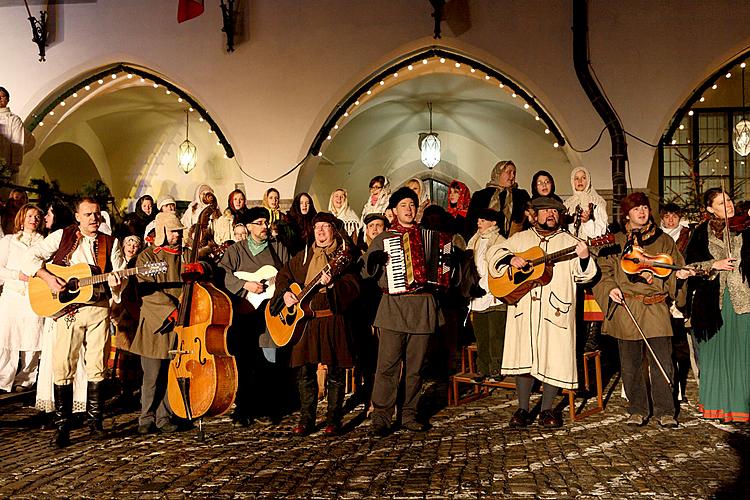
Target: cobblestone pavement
{"points": [[469, 453]]}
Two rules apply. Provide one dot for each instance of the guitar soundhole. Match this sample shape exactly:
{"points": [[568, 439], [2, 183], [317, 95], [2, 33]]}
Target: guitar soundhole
{"points": [[70, 293], [520, 276]]}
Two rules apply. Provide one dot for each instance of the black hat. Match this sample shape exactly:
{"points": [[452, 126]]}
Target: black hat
{"points": [[488, 214], [325, 217], [377, 216], [401, 194], [254, 213], [547, 202], [671, 208]]}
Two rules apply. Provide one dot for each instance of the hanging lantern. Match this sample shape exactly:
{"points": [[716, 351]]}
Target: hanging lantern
{"points": [[741, 138], [429, 145], [741, 132], [187, 153]]}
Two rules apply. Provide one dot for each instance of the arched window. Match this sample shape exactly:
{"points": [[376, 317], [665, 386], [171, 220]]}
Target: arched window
{"points": [[438, 191]]}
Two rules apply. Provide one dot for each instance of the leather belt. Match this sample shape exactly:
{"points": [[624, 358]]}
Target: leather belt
{"points": [[648, 299], [322, 313]]}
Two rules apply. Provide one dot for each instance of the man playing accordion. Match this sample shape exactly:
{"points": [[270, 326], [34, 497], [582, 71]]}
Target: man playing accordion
{"points": [[406, 316]]}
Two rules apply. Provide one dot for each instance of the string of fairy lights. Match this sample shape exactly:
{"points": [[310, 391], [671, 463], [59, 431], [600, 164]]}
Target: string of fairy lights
{"points": [[134, 76], [433, 59]]}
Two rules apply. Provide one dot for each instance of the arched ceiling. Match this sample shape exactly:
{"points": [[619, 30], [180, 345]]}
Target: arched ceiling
{"points": [[131, 131], [478, 124]]}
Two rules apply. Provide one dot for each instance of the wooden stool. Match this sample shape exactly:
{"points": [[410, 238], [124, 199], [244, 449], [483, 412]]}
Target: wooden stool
{"points": [[597, 357], [467, 375]]}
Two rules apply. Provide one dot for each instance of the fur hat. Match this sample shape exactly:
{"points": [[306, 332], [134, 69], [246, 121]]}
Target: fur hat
{"points": [[547, 202], [165, 221], [633, 200], [401, 194], [488, 214], [255, 213]]}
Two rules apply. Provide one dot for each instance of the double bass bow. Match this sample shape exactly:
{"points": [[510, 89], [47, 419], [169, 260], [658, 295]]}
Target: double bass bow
{"points": [[202, 379]]}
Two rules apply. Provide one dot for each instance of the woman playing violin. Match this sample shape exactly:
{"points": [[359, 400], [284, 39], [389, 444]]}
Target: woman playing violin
{"points": [[721, 310]]}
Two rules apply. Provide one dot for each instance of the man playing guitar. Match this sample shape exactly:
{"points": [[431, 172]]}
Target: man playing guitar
{"points": [[248, 324], [87, 324], [540, 329]]}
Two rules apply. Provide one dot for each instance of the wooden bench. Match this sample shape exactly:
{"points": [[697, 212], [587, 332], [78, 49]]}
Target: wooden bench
{"points": [[468, 373]]}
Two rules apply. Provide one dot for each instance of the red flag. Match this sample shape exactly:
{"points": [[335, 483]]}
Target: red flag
{"points": [[188, 9]]}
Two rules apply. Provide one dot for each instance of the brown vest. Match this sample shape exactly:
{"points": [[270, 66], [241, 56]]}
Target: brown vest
{"points": [[71, 238]]}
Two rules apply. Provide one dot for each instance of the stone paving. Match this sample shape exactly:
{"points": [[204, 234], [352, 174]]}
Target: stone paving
{"points": [[469, 453]]}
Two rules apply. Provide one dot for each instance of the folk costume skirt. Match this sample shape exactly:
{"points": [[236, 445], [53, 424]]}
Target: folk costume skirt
{"points": [[724, 362]]}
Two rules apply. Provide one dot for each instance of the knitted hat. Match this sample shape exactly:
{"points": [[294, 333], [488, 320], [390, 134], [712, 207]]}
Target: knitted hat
{"points": [[401, 194], [633, 200], [166, 200]]}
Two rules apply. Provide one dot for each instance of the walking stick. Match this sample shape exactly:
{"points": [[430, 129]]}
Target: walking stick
{"points": [[638, 327]]}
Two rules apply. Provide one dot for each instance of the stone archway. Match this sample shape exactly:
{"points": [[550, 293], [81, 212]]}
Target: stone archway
{"points": [[129, 121], [480, 114]]}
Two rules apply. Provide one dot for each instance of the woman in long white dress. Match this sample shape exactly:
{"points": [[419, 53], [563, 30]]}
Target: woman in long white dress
{"points": [[20, 327], [592, 207], [58, 216]]}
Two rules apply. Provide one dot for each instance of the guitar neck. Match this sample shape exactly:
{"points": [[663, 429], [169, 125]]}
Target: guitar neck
{"points": [[552, 257], [101, 278], [313, 283]]}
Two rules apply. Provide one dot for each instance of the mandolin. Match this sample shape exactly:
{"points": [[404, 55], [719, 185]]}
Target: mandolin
{"points": [[288, 324], [515, 283], [79, 286]]}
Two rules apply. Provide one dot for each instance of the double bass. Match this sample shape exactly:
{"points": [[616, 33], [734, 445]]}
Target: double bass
{"points": [[202, 379]]}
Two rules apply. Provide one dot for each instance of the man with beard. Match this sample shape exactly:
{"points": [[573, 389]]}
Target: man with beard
{"points": [[155, 335], [248, 325], [540, 331]]}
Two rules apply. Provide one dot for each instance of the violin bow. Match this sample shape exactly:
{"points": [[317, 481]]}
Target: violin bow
{"points": [[727, 235], [645, 340]]}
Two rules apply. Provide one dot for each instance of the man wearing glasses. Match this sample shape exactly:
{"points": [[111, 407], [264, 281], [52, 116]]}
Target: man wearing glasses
{"points": [[248, 324]]}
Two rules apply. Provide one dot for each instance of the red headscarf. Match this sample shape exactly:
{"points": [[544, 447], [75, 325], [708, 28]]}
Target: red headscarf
{"points": [[464, 197]]}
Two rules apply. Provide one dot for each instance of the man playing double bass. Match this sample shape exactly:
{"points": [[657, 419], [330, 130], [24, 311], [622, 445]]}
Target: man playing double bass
{"points": [[248, 325], [540, 332], [86, 325], [155, 335]]}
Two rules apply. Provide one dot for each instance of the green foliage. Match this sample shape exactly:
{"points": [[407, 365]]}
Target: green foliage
{"points": [[98, 190]]}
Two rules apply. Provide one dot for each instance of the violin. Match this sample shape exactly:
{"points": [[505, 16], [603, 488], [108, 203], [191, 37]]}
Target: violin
{"points": [[636, 261], [739, 222]]}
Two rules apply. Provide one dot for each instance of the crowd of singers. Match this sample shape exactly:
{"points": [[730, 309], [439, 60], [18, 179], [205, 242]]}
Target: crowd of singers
{"points": [[699, 309]]}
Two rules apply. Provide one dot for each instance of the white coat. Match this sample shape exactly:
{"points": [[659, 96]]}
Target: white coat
{"points": [[540, 332]]}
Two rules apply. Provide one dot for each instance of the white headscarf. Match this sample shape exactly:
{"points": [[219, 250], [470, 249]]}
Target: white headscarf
{"points": [[583, 198], [190, 217], [352, 224], [381, 202], [423, 194]]}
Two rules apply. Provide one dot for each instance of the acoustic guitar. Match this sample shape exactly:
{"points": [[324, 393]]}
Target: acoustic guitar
{"points": [[515, 283], [266, 276], [79, 286], [288, 324]]}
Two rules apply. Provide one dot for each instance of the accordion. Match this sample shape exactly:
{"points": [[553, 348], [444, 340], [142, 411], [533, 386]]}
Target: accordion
{"points": [[400, 272]]}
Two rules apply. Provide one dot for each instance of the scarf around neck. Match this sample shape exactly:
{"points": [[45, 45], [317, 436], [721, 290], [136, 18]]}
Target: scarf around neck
{"points": [[256, 248], [319, 260]]}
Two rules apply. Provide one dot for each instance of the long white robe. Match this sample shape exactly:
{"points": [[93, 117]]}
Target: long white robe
{"points": [[12, 136], [540, 332]]}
